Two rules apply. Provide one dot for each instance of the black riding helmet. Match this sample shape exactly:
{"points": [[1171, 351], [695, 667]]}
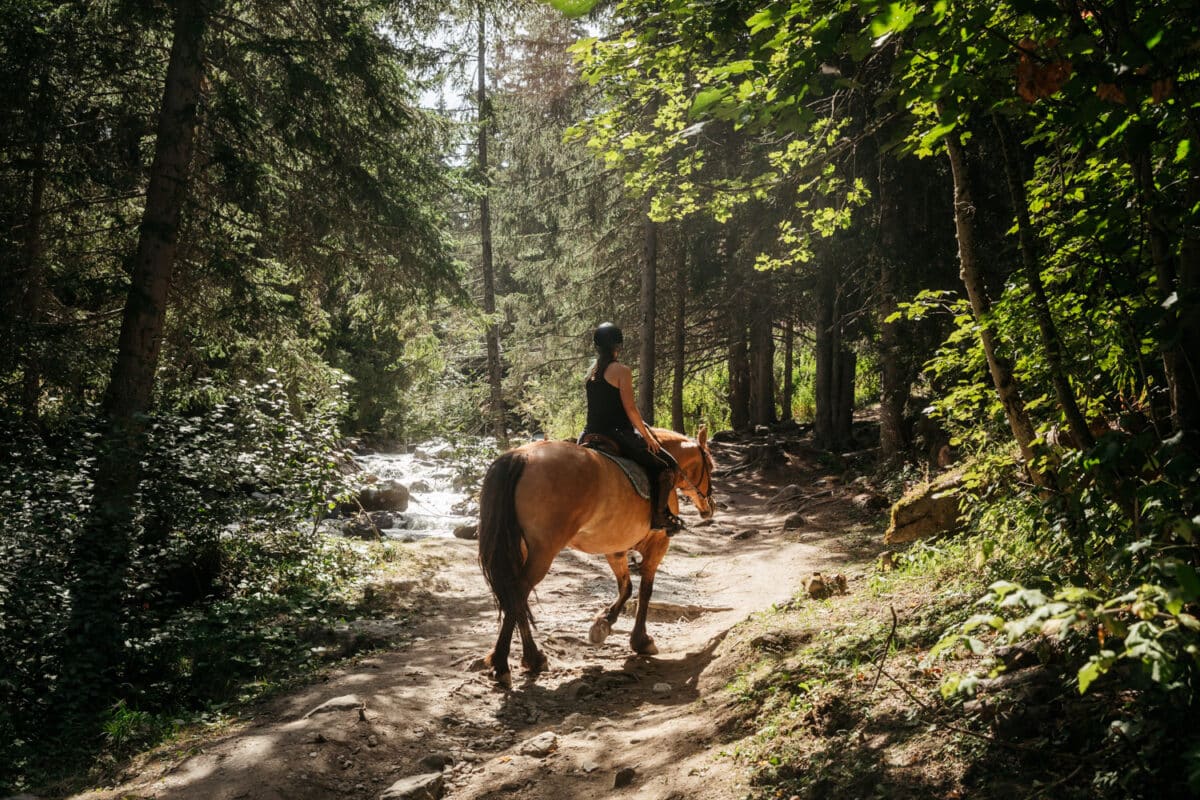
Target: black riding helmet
{"points": [[608, 336]]}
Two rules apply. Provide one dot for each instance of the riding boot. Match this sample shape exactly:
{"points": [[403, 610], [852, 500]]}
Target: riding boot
{"points": [[661, 517]]}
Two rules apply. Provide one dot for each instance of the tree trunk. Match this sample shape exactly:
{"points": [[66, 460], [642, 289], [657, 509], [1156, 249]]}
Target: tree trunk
{"points": [[762, 375], [843, 404], [735, 327], [679, 341], [649, 301], [893, 381], [101, 552], [789, 343], [492, 331], [1000, 369], [824, 434], [1027, 242], [35, 285], [893, 375]]}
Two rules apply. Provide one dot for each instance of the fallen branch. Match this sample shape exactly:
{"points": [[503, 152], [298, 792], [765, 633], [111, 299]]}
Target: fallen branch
{"points": [[886, 646]]}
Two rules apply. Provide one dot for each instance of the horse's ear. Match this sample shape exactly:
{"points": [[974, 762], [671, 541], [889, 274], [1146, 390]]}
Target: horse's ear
{"points": [[702, 434]]}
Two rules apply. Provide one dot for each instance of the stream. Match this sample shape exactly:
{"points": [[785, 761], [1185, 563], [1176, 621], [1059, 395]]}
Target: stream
{"points": [[439, 498]]}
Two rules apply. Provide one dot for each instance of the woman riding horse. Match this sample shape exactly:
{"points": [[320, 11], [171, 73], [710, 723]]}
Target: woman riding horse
{"points": [[545, 496], [613, 416]]}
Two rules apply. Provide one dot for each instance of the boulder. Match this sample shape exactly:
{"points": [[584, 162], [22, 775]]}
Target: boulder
{"points": [[785, 495], [466, 532], [368, 525], [416, 787], [794, 521], [930, 509], [384, 496]]}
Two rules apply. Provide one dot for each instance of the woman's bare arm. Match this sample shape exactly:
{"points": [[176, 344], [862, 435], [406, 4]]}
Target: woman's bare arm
{"points": [[624, 377]]}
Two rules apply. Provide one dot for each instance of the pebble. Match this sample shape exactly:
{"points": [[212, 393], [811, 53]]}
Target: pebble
{"points": [[540, 745], [347, 702], [661, 688], [623, 778], [416, 787], [436, 761]]}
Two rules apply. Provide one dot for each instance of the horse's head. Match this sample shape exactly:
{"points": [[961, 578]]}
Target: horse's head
{"points": [[696, 466]]}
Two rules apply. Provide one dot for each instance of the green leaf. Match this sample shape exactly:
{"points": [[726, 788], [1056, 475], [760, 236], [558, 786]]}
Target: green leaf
{"points": [[704, 100], [896, 18], [573, 8], [1089, 672]]}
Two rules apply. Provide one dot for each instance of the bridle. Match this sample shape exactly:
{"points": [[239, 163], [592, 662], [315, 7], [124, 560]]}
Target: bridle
{"points": [[705, 470]]}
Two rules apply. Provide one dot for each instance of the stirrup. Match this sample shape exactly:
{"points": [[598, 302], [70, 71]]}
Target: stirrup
{"points": [[671, 523]]}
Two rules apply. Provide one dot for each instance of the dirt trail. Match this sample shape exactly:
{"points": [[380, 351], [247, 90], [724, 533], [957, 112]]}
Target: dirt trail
{"points": [[607, 708]]}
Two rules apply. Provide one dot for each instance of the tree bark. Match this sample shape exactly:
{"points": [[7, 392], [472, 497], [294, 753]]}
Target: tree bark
{"points": [[843, 404], [735, 327], [1000, 369], [824, 434], [649, 301], [101, 553], [762, 375], [1028, 245], [492, 331], [893, 382], [679, 340], [893, 373], [35, 285], [789, 344]]}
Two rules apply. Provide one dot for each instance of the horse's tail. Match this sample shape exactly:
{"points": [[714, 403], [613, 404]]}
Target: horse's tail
{"points": [[500, 536]]}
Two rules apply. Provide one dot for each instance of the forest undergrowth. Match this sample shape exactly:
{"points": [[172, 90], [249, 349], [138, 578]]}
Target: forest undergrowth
{"points": [[233, 593], [978, 666]]}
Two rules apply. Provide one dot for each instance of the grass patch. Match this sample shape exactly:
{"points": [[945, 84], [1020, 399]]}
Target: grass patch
{"points": [[817, 718]]}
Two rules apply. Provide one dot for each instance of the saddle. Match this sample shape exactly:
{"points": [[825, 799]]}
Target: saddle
{"points": [[608, 447]]}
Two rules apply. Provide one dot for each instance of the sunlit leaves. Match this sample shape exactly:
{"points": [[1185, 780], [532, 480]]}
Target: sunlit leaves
{"points": [[573, 8]]}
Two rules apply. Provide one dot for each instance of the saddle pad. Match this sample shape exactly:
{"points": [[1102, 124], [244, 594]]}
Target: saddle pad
{"points": [[633, 470]]}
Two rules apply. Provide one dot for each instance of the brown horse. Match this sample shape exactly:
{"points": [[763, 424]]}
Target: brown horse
{"points": [[542, 497]]}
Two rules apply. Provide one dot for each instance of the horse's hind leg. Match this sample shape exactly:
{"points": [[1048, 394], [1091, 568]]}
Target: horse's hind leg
{"points": [[653, 548], [498, 658], [532, 659], [536, 567], [602, 624]]}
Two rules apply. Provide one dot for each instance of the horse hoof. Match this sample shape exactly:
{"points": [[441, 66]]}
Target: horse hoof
{"points": [[536, 665], [599, 631], [646, 648], [504, 679]]}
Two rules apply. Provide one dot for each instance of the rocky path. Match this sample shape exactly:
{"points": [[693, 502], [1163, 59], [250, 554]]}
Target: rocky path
{"points": [[422, 722]]}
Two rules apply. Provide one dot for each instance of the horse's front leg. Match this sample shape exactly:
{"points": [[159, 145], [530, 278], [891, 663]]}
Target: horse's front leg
{"points": [[602, 625], [653, 548]]}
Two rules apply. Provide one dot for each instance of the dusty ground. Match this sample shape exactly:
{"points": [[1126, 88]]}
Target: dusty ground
{"points": [[607, 709]]}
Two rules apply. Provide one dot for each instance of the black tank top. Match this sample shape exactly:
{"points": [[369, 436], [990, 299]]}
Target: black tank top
{"points": [[605, 410]]}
